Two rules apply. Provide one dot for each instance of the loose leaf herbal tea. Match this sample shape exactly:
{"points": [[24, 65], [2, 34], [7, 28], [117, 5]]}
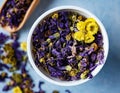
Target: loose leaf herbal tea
{"points": [[13, 12], [13, 59], [67, 45]]}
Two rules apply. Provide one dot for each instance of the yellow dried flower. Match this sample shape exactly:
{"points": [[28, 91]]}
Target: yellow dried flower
{"points": [[89, 20], [42, 60], [89, 38], [68, 37], [81, 26], [73, 72], [79, 36], [68, 68], [55, 15], [86, 30], [17, 90], [92, 27], [23, 46], [84, 74], [80, 17]]}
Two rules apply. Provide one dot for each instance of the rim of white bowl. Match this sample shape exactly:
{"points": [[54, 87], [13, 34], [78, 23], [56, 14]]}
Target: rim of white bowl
{"points": [[67, 83]]}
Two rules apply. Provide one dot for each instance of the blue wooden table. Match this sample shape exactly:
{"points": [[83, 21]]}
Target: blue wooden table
{"points": [[108, 11]]}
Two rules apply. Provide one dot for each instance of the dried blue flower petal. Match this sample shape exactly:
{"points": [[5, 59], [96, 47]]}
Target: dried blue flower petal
{"points": [[67, 91], [3, 38], [6, 88], [3, 66]]}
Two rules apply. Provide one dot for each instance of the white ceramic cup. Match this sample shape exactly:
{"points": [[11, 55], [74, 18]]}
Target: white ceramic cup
{"points": [[41, 72]]}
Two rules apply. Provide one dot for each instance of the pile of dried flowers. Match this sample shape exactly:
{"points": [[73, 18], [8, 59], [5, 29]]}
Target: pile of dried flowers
{"points": [[13, 61], [68, 46], [13, 12]]}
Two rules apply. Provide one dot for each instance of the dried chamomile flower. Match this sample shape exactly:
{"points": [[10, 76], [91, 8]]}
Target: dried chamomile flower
{"points": [[81, 26], [42, 60], [73, 72], [55, 15], [89, 38], [91, 25], [68, 37], [74, 18], [17, 89], [78, 57], [23, 46], [79, 35], [84, 74], [89, 20], [80, 18], [17, 78], [68, 68]]}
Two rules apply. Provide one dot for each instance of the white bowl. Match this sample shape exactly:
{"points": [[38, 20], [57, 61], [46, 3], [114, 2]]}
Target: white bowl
{"points": [[41, 72]]}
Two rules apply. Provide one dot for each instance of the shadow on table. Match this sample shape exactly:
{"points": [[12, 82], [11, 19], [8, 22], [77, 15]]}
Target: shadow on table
{"points": [[40, 9]]}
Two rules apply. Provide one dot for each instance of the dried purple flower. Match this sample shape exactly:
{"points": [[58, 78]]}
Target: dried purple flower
{"points": [[3, 66], [3, 38], [23, 79], [6, 88]]}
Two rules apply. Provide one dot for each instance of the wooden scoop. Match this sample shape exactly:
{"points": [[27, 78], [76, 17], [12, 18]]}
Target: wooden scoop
{"points": [[28, 12]]}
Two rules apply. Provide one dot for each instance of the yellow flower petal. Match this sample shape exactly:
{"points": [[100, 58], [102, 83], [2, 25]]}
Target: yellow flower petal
{"points": [[79, 36], [17, 90], [89, 20], [81, 26], [89, 38], [23, 46], [92, 27]]}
